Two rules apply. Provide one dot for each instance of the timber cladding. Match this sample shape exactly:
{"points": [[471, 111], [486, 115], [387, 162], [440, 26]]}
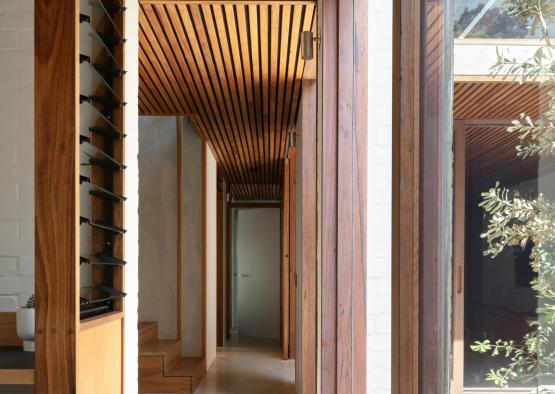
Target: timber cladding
{"points": [[64, 344], [56, 182], [235, 69]]}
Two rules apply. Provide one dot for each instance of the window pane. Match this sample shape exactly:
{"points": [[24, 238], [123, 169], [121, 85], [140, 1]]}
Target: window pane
{"points": [[489, 19], [504, 114]]}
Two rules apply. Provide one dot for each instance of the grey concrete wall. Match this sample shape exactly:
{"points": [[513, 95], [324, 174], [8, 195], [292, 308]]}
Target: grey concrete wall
{"points": [[158, 223], [192, 241]]}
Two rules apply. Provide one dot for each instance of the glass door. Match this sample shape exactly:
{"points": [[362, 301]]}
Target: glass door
{"points": [[504, 197]]}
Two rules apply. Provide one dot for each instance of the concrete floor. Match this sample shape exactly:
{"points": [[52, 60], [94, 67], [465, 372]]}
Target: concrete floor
{"points": [[249, 366]]}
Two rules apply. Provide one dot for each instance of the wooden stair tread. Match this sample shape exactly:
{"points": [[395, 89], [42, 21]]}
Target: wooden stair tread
{"points": [[148, 332], [159, 347], [186, 367], [146, 325]]}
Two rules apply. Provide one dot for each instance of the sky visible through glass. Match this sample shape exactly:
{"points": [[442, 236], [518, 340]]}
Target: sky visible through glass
{"points": [[472, 21]]}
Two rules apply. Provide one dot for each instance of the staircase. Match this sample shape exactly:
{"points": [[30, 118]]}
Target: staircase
{"points": [[161, 367]]}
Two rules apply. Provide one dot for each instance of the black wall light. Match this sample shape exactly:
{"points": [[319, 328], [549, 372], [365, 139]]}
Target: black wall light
{"points": [[307, 49]]}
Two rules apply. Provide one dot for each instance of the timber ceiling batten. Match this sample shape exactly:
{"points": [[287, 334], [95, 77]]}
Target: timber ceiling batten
{"points": [[235, 70]]}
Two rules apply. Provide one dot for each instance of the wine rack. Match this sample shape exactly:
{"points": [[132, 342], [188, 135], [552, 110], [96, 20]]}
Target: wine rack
{"points": [[101, 159]]}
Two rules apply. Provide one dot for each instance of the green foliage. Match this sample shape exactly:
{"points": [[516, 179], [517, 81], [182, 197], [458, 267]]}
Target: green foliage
{"points": [[517, 221], [30, 302]]}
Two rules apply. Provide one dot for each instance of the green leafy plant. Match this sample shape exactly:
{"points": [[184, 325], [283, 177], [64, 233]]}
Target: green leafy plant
{"points": [[514, 220], [30, 302]]}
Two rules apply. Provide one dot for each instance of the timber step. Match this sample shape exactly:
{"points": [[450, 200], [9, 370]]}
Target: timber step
{"points": [[148, 332], [161, 367]]}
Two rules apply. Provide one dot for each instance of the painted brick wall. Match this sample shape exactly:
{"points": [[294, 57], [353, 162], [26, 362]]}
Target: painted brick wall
{"points": [[17, 247], [379, 197]]}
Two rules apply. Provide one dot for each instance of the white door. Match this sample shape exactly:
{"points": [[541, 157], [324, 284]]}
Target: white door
{"points": [[258, 261]]}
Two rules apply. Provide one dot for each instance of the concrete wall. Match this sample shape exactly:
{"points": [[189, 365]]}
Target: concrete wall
{"points": [[211, 235], [379, 197], [17, 234], [191, 157], [158, 223]]}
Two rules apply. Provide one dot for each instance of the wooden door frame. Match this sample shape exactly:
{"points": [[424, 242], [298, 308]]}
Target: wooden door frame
{"points": [[459, 205], [288, 256], [285, 242]]}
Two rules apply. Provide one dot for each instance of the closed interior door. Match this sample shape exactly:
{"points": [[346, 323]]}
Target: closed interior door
{"points": [[258, 258]]}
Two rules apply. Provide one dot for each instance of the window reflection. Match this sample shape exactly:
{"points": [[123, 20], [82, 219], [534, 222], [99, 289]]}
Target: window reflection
{"points": [[504, 105]]}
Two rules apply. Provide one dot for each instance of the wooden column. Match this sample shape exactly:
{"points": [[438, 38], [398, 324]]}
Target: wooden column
{"points": [[421, 210], [285, 263], [292, 252], [406, 69], [220, 231], [309, 267], [56, 188], [344, 131]]}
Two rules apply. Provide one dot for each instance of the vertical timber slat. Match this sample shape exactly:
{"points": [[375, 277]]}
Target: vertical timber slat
{"points": [[285, 206], [344, 130], [406, 57], [56, 184]]}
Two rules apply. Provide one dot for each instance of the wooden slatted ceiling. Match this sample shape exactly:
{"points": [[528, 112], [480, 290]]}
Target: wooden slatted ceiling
{"points": [[498, 100], [235, 69], [489, 148]]}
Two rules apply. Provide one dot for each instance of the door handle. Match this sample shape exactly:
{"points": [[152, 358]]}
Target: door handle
{"points": [[245, 276], [459, 279]]}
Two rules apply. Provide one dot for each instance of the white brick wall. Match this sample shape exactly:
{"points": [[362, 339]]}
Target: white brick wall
{"points": [[17, 248], [379, 197]]}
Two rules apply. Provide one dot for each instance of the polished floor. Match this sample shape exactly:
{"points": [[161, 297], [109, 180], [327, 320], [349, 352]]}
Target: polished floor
{"points": [[249, 366]]}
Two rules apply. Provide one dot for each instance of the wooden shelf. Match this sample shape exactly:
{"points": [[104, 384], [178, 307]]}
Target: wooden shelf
{"points": [[17, 376]]}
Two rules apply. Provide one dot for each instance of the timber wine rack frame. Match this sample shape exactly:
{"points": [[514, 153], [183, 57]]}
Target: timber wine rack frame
{"points": [[80, 196], [101, 157]]}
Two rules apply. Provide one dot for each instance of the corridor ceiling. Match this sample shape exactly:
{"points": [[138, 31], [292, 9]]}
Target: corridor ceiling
{"points": [[234, 68]]}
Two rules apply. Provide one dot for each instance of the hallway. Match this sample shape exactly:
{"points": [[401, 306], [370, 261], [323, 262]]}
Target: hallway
{"points": [[249, 366]]}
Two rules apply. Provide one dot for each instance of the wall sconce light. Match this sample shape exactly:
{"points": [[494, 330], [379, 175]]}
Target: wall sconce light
{"points": [[307, 49], [292, 137]]}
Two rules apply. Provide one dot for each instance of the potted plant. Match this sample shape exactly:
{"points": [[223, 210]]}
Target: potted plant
{"points": [[26, 324]]}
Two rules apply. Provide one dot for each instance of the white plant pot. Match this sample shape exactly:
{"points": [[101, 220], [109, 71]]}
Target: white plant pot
{"points": [[26, 328]]}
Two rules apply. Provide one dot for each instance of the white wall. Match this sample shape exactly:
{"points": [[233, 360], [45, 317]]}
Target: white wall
{"points": [[258, 258], [131, 350], [379, 197], [476, 56], [17, 234], [158, 223], [211, 257]]}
